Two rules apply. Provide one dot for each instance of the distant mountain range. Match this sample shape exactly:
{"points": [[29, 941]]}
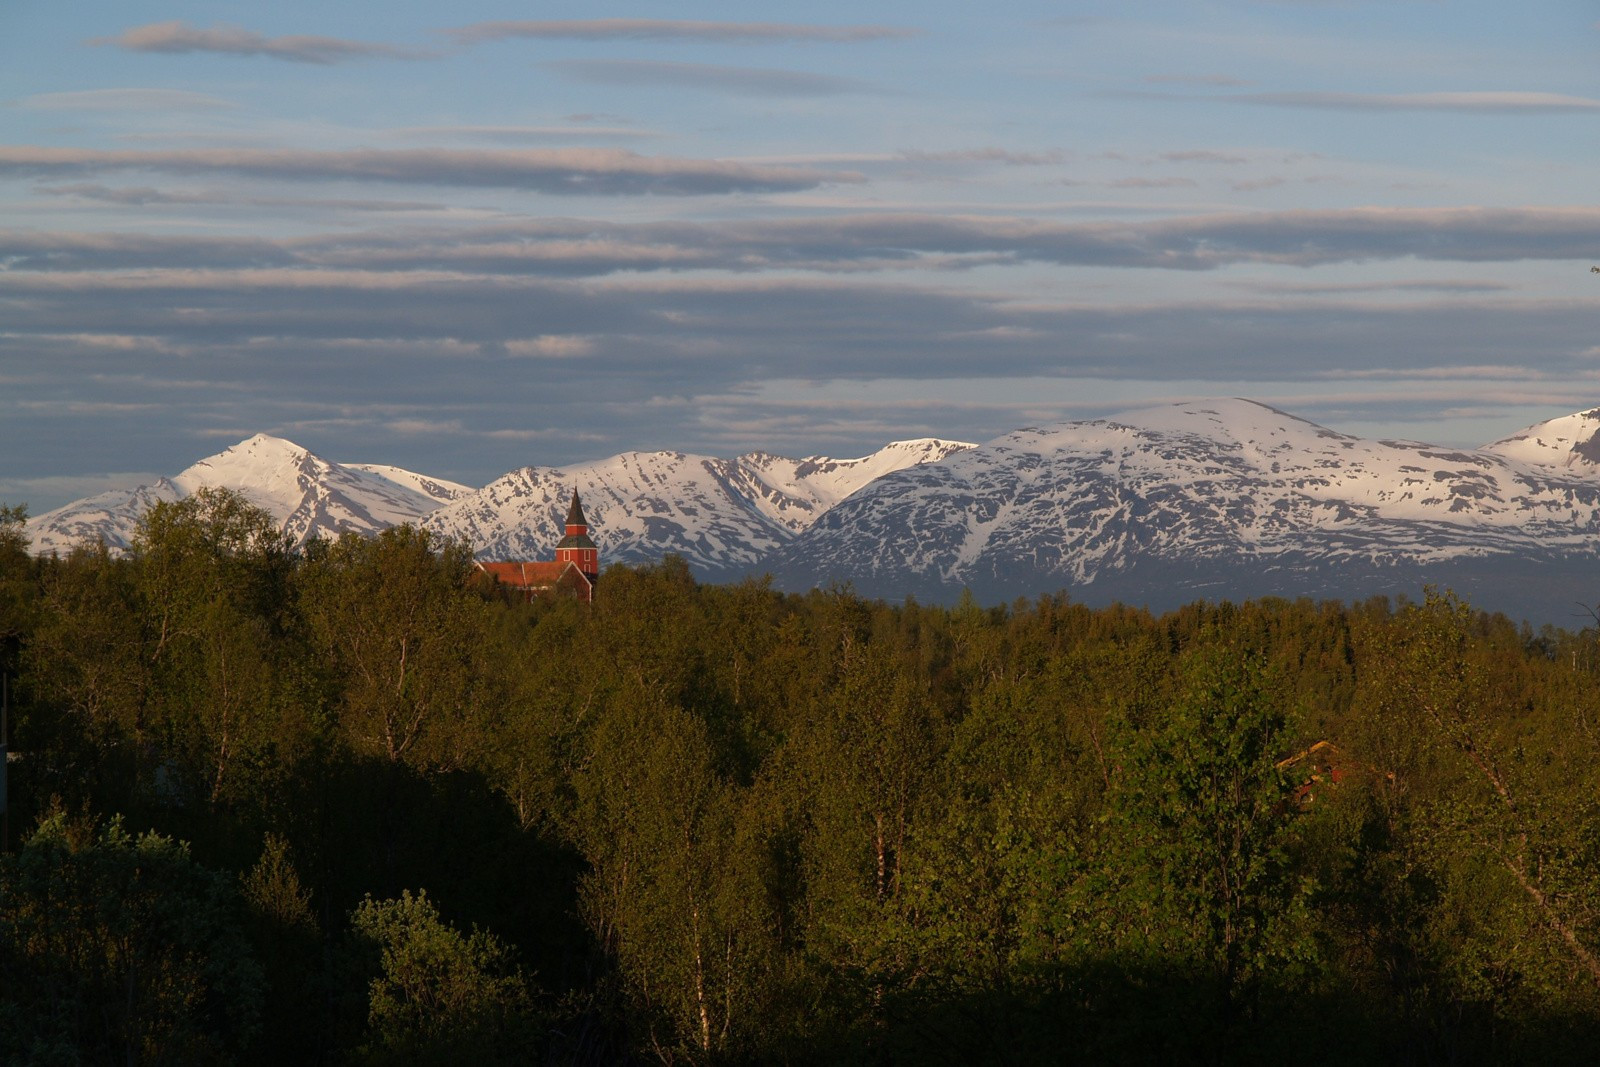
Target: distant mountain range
{"points": [[724, 516], [1209, 498], [307, 494]]}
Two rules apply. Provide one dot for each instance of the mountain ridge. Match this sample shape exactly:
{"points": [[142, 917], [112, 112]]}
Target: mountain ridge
{"points": [[1209, 497], [723, 515]]}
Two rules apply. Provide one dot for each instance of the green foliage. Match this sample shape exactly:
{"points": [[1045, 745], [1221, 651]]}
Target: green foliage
{"points": [[288, 944], [1204, 819], [441, 997], [399, 633], [120, 947], [1492, 808], [672, 889], [16, 585], [725, 824]]}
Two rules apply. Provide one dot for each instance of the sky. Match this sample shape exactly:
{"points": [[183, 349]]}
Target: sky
{"points": [[466, 238]]}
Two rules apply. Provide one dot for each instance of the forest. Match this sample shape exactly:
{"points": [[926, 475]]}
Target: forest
{"points": [[349, 803]]}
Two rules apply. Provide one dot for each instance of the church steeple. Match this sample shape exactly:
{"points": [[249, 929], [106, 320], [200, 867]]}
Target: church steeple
{"points": [[576, 547], [575, 514]]}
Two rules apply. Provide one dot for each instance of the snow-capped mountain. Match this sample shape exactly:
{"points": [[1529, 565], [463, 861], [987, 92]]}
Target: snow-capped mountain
{"points": [[110, 516], [1210, 498], [723, 516], [1219, 498], [1571, 443], [307, 494], [795, 492]]}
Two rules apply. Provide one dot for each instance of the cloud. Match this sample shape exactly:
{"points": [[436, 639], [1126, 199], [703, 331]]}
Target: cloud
{"points": [[1204, 156], [179, 37], [551, 347], [424, 427], [639, 335], [1413, 286], [578, 171], [1214, 81], [130, 196], [123, 100], [141, 196], [627, 360], [1152, 183], [717, 79], [25, 250], [513, 134], [1256, 185], [430, 342], [983, 155], [856, 243], [1472, 102], [672, 30]]}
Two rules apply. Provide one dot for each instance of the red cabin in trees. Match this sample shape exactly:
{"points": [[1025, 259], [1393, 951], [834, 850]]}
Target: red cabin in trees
{"points": [[574, 571]]}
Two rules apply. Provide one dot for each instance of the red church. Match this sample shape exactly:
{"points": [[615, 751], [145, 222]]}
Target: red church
{"points": [[573, 572]]}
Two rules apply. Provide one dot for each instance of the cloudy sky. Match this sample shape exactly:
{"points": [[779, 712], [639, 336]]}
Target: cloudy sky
{"points": [[463, 238]]}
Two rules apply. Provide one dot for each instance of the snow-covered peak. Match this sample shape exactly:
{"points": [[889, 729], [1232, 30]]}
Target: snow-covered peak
{"points": [[723, 516], [308, 496], [795, 492], [639, 506], [1223, 419], [439, 489], [838, 478], [1571, 442], [1226, 497], [259, 465]]}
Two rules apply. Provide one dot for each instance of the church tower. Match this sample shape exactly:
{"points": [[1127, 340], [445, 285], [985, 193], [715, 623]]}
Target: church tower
{"points": [[576, 548]]}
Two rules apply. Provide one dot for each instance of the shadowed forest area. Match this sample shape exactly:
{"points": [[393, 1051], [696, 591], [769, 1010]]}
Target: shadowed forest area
{"points": [[350, 805]]}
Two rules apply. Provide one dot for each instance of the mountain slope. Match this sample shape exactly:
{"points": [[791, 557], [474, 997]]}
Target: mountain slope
{"points": [[308, 495], [1220, 496], [795, 492], [1213, 498], [1571, 443], [723, 516]]}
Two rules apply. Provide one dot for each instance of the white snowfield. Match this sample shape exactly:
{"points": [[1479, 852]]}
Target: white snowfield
{"points": [[306, 494], [1193, 494], [720, 514], [1213, 479]]}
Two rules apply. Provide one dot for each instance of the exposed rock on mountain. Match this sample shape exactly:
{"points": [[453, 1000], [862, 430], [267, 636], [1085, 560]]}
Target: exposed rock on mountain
{"points": [[308, 496], [723, 516], [1214, 498], [1220, 498]]}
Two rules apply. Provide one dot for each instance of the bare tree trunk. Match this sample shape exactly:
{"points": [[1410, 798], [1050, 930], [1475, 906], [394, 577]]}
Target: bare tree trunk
{"points": [[700, 979], [882, 860], [1518, 865], [1585, 957]]}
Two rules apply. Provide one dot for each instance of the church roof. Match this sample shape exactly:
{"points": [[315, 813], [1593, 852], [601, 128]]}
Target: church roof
{"points": [[534, 575], [575, 518]]}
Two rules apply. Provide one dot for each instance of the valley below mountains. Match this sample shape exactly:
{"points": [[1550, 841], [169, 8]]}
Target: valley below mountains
{"points": [[1159, 506]]}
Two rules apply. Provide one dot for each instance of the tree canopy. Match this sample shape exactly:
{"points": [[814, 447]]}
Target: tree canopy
{"points": [[343, 804]]}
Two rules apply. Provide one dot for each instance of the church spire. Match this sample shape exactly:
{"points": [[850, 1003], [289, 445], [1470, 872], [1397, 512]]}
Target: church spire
{"points": [[577, 547]]}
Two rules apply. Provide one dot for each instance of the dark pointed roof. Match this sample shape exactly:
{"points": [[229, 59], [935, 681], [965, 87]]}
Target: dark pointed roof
{"points": [[575, 518]]}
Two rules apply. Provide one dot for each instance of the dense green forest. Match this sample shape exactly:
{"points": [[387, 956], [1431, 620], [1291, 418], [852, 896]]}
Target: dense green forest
{"points": [[349, 804]]}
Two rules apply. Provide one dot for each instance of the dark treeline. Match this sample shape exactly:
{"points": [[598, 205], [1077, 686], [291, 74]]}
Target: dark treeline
{"points": [[348, 804]]}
